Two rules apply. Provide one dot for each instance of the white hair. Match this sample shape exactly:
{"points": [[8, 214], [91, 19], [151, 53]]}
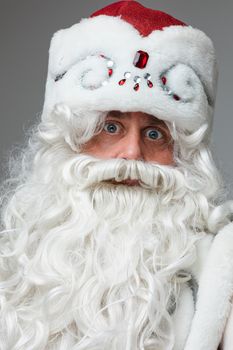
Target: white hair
{"points": [[70, 276]]}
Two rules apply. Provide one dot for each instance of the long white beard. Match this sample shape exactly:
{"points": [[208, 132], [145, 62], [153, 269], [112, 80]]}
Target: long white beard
{"points": [[104, 277]]}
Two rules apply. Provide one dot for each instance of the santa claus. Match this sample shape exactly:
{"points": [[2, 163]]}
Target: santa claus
{"points": [[114, 234]]}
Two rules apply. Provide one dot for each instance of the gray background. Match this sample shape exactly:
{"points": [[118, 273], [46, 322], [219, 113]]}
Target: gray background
{"points": [[26, 27]]}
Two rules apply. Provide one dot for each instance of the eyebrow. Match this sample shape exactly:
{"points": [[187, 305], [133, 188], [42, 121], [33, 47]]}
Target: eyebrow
{"points": [[117, 114], [120, 115]]}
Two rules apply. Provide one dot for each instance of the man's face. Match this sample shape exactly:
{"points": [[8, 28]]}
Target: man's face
{"points": [[132, 136]]}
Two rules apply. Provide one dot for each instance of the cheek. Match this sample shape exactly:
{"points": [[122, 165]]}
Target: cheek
{"points": [[163, 156], [97, 147]]}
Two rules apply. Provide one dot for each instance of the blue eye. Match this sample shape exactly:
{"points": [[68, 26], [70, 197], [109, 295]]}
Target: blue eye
{"points": [[111, 128], [154, 134]]}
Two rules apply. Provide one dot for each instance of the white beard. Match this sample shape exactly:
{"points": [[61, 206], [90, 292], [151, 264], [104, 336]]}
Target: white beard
{"points": [[104, 277]]}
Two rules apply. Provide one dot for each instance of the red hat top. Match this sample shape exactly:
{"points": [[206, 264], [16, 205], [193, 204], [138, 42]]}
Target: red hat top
{"points": [[145, 20]]}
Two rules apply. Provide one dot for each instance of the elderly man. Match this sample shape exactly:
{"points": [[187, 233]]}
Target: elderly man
{"points": [[114, 233]]}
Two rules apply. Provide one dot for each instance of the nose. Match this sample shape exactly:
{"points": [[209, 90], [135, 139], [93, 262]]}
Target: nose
{"points": [[130, 147]]}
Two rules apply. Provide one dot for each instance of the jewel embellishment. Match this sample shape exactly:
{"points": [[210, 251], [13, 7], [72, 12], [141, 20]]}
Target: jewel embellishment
{"points": [[141, 58], [168, 90], [164, 80], [110, 65], [147, 76], [150, 84], [127, 75], [137, 79], [122, 82], [87, 84], [176, 97], [59, 76]]}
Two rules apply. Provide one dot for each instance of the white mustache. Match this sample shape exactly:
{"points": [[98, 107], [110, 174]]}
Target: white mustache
{"points": [[85, 171]]}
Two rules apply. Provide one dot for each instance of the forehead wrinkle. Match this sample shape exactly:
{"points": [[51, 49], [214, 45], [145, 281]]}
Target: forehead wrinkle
{"points": [[124, 115]]}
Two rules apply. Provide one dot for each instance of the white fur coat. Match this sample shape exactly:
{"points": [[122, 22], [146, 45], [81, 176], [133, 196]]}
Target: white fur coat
{"points": [[213, 307]]}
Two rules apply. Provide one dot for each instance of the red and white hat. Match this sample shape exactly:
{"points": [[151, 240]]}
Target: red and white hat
{"points": [[130, 58]]}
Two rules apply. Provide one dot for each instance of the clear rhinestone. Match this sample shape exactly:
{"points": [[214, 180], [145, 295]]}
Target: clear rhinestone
{"points": [[147, 76], [110, 64], [127, 75], [137, 79]]}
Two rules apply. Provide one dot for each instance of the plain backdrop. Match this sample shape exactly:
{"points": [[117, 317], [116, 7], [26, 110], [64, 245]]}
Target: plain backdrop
{"points": [[26, 27]]}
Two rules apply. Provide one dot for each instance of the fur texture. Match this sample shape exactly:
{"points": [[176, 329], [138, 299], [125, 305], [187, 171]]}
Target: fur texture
{"points": [[86, 264], [98, 266], [183, 54], [214, 294]]}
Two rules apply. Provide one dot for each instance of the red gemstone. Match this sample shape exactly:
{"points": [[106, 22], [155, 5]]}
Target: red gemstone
{"points": [[110, 71], [176, 97], [141, 59], [150, 84], [121, 82], [136, 87], [164, 80]]}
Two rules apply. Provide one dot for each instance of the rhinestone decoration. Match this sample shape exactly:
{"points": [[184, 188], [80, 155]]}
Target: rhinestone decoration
{"points": [[136, 87], [164, 80], [147, 76], [122, 82], [137, 79], [176, 97], [59, 76], [110, 63], [150, 84], [127, 75], [167, 90], [141, 58]]}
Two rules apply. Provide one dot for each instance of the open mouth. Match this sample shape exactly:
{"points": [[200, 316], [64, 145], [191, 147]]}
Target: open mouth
{"points": [[127, 182]]}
